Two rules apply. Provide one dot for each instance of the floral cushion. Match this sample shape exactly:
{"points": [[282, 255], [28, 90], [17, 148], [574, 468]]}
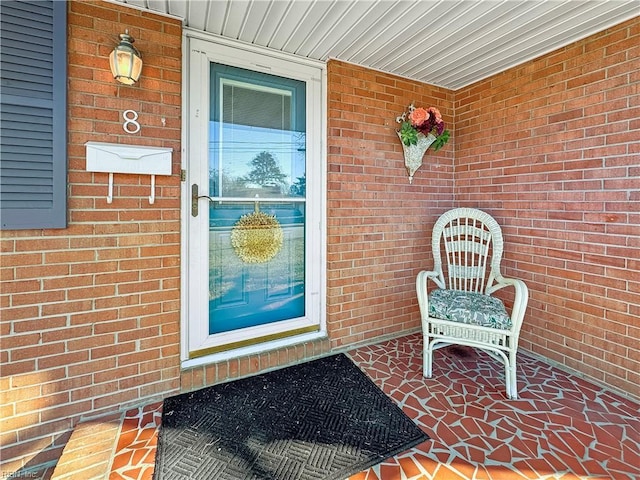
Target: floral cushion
{"points": [[468, 307]]}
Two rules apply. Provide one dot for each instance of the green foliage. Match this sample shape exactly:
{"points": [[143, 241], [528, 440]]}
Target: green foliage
{"points": [[408, 134], [440, 141]]}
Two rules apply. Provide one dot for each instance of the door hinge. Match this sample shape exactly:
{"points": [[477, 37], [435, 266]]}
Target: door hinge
{"points": [[183, 175]]}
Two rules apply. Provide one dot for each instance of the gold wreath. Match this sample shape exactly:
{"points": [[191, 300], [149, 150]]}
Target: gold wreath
{"points": [[256, 237]]}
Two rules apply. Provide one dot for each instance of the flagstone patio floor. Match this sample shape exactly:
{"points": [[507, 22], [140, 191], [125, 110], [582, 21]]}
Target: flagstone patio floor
{"points": [[561, 427]]}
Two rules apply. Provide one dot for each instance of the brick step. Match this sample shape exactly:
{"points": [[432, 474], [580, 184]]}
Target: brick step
{"points": [[89, 452]]}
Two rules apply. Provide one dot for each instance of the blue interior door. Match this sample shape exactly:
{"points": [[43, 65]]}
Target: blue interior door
{"points": [[257, 185]]}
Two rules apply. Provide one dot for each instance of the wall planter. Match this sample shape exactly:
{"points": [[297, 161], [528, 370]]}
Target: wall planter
{"points": [[420, 129], [413, 154]]}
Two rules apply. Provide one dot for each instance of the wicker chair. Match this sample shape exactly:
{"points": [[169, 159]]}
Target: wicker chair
{"points": [[462, 310]]}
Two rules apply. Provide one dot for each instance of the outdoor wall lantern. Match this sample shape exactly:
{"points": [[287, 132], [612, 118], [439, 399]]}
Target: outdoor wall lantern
{"points": [[125, 60]]}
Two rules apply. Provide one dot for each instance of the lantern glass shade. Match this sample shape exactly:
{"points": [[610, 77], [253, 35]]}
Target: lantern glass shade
{"points": [[125, 60]]}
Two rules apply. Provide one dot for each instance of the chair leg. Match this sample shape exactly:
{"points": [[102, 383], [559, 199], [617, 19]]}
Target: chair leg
{"points": [[510, 377], [507, 381], [514, 383], [427, 358]]}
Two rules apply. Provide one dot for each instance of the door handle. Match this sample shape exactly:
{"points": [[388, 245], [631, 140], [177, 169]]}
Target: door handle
{"points": [[194, 199]]}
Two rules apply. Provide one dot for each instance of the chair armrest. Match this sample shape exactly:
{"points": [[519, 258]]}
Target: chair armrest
{"points": [[421, 289], [521, 296], [424, 276]]}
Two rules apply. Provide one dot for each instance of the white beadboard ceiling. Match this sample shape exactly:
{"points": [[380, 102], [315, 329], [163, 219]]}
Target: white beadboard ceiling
{"points": [[450, 43]]}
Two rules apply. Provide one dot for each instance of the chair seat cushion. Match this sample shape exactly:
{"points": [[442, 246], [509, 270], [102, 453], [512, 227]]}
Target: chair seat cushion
{"points": [[469, 307]]}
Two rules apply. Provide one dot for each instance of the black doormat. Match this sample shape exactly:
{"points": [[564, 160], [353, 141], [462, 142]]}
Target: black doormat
{"points": [[320, 420]]}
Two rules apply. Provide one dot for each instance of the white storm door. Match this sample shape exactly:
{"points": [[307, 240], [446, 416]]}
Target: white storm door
{"points": [[255, 173]]}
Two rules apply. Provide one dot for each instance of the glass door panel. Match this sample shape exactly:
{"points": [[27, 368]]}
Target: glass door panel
{"points": [[257, 169], [245, 288]]}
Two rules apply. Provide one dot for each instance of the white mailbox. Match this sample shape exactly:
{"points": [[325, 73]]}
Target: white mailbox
{"points": [[117, 158]]}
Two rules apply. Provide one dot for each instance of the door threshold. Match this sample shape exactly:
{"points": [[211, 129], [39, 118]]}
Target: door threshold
{"points": [[253, 346], [252, 341]]}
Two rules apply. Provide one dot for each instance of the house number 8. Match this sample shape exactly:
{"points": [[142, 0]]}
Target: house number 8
{"points": [[130, 124]]}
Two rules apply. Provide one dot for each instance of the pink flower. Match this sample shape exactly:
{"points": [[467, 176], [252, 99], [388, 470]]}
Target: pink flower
{"points": [[418, 116], [422, 121], [436, 114]]}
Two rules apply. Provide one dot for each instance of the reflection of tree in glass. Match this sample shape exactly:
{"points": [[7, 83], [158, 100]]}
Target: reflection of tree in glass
{"points": [[231, 185], [299, 188], [265, 172]]}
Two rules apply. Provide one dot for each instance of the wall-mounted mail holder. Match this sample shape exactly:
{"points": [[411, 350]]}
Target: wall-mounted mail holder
{"points": [[116, 158]]}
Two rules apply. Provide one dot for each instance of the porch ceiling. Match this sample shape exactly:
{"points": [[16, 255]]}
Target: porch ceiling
{"points": [[450, 43]]}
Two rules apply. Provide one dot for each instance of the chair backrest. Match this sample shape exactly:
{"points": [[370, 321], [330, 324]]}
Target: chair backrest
{"points": [[471, 240]]}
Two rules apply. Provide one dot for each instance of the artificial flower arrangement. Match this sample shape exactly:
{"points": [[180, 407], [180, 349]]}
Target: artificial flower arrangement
{"points": [[421, 121]]}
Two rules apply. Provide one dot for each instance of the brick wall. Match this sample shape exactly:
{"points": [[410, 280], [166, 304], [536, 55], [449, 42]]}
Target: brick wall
{"points": [[90, 313], [552, 149], [378, 224]]}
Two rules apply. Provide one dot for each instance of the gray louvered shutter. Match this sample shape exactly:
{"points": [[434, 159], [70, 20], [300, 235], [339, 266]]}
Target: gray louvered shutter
{"points": [[33, 123]]}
